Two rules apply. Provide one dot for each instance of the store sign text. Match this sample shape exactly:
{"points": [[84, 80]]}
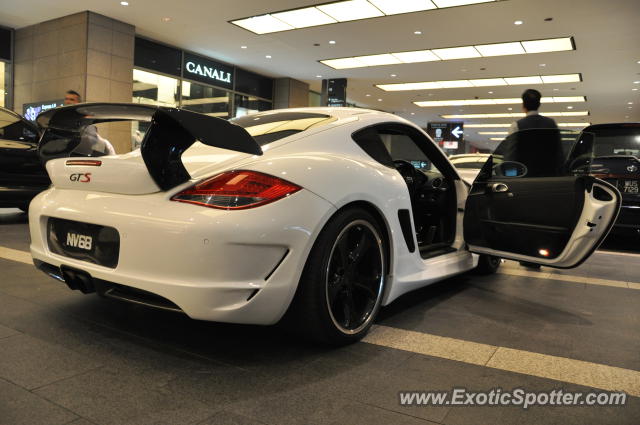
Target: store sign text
{"points": [[206, 71]]}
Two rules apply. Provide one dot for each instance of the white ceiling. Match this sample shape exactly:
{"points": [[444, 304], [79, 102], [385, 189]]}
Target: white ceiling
{"points": [[606, 34]]}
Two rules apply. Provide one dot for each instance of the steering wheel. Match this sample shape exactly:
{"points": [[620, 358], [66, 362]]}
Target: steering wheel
{"points": [[411, 176]]}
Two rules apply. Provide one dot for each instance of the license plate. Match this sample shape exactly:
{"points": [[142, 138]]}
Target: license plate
{"points": [[630, 186], [84, 241]]}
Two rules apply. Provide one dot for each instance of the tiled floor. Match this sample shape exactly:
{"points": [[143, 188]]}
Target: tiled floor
{"points": [[67, 358]]}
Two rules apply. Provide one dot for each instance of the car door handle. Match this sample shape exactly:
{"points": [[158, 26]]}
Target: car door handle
{"points": [[499, 187]]}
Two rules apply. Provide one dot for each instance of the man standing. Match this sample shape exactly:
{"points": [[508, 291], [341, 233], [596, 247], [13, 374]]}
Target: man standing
{"points": [[91, 143], [530, 106]]}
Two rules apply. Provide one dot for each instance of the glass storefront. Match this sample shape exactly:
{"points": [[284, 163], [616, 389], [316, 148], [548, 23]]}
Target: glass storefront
{"points": [[154, 89], [205, 99], [6, 36], [166, 76]]}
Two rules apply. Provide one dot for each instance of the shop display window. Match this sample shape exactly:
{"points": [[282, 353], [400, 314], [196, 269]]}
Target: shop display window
{"points": [[205, 99]]}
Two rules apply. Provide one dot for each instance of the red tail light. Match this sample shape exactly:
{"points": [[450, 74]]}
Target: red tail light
{"points": [[236, 190]]}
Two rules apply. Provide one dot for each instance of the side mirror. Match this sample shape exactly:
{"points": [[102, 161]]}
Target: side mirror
{"points": [[510, 169]]}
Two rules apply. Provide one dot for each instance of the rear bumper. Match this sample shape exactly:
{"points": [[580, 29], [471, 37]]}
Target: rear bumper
{"points": [[228, 266], [628, 221]]}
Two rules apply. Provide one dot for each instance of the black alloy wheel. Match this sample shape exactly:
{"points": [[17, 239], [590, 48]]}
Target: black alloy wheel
{"points": [[354, 276], [343, 281]]}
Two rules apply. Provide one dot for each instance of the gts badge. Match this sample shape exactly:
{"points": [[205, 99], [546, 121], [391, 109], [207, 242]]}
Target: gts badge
{"points": [[80, 177], [79, 241]]}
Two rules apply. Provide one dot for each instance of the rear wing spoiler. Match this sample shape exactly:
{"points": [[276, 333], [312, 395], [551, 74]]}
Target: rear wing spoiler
{"points": [[172, 132]]}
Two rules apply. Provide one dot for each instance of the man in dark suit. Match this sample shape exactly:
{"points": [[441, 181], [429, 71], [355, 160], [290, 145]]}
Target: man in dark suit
{"points": [[530, 106]]}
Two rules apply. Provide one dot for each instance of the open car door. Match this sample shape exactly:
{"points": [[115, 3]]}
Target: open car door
{"points": [[535, 201]]}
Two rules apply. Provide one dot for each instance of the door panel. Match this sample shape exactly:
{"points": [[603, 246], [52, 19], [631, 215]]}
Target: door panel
{"points": [[527, 205]]}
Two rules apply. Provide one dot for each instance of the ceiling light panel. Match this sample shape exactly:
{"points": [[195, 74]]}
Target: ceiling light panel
{"points": [[492, 133], [573, 124], [344, 63], [375, 60], [416, 56], [550, 45], [513, 115], [303, 18], [350, 10], [263, 24], [500, 49], [486, 82], [469, 52], [505, 101], [457, 53], [393, 7], [566, 78], [466, 125], [516, 81], [452, 3]]}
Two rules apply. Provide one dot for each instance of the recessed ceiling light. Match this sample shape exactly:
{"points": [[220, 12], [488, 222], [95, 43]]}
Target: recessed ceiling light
{"points": [[124, 3], [543, 64], [420, 33], [638, 62], [268, 56], [243, 47], [569, 107], [548, 45], [629, 103], [556, 89], [166, 19], [490, 92], [518, 22], [368, 95], [413, 113], [332, 42], [379, 100], [393, 75], [510, 109], [634, 89], [629, 107], [636, 82], [318, 76]]}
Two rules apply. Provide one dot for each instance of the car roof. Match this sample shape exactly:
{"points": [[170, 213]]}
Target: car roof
{"points": [[612, 126]]}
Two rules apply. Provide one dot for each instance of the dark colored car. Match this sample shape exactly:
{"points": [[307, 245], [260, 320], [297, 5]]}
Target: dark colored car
{"points": [[616, 159], [22, 175]]}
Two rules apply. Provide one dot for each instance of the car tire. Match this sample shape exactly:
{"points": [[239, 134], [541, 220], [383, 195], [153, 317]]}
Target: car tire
{"points": [[343, 281], [487, 264]]}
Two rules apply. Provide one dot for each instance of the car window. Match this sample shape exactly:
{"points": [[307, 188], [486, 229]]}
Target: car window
{"points": [[12, 128], [617, 142], [268, 127]]}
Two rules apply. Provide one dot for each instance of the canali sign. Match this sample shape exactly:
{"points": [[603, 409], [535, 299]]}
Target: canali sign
{"points": [[208, 71]]}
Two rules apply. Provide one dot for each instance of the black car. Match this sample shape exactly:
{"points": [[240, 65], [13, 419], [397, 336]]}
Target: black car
{"points": [[22, 175], [616, 159]]}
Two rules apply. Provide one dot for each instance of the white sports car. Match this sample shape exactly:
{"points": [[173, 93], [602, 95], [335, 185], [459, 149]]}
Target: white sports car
{"points": [[319, 216]]}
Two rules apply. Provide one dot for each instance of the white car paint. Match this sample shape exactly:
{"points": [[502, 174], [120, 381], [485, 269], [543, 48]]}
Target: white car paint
{"points": [[209, 262]]}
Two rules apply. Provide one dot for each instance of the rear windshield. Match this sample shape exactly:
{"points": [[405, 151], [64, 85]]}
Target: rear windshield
{"points": [[617, 141], [268, 127]]}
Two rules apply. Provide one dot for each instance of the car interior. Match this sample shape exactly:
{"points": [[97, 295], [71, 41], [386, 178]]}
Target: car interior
{"points": [[432, 191]]}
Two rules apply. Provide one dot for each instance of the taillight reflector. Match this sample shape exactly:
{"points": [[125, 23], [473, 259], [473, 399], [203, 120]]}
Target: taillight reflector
{"points": [[84, 162], [236, 190]]}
